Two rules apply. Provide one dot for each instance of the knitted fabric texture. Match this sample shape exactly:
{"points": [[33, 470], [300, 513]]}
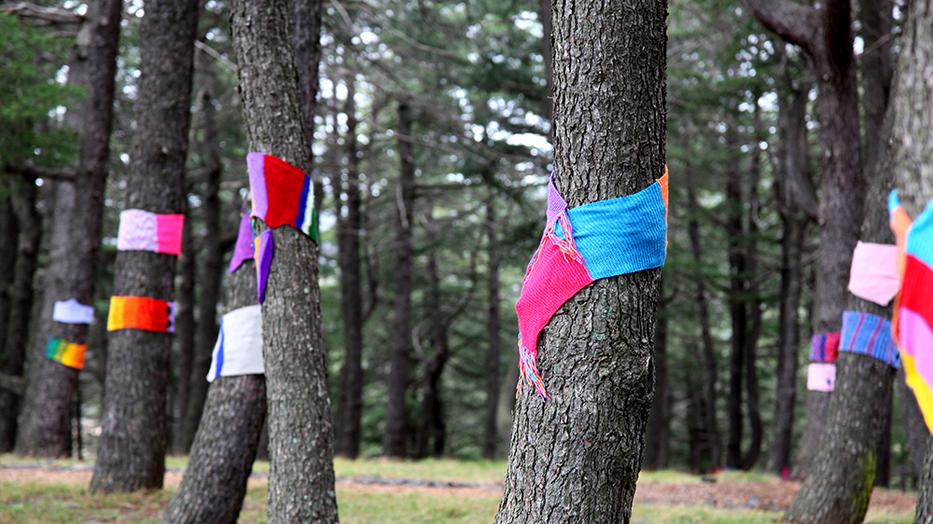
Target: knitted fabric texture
{"points": [[824, 347], [874, 276], [264, 247], [581, 245], [72, 312], [868, 335], [66, 353], [821, 377], [244, 249], [142, 313], [282, 194], [912, 324], [238, 350], [144, 231]]}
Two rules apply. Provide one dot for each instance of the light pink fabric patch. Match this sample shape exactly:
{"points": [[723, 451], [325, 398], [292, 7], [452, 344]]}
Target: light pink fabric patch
{"points": [[144, 231], [874, 272], [821, 377]]}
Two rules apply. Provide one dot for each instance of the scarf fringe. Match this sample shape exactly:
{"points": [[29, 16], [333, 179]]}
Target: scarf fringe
{"points": [[528, 370]]}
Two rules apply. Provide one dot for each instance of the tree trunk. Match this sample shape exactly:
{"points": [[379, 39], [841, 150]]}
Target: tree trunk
{"points": [[184, 333], [431, 403], [227, 438], [658, 438], [794, 176], [351, 296], [301, 482], [396, 426], [924, 512], [491, 436], [825, 34], [71, 273], [133, 440], [20, 292], [576, 457], [12, 361], [212, 269], [706, 427], [915, 429], [738, 309]]}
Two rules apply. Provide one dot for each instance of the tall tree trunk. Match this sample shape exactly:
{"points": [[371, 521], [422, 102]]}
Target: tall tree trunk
{"points": [[707, 425], [351, 295], [585, 444], [301, 482], [658, 438], [11, 362], [910, 148], [212, 269], [44, 428], [491, 436], [227, 438], [431, 416], [133, 441], [20, 292], [544, 13], [915, 429], [396, 427], [184, 333], [738, 309], [793, 182], [825, 34]]}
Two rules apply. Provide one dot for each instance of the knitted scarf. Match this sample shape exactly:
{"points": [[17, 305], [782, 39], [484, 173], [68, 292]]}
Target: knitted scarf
{"points": [[282, 194], [142, 313], [873, 276], [66, 353], [144, 231], [238, 350], [869, 335], [581, 245]]}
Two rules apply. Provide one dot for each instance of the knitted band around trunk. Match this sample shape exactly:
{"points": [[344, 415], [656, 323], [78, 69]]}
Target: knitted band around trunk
{"points": [[912, 324], [873, 276], [824, 347], [238, 350], [264, 247], [72, 312], [244, 249], [144, 231], [821, 377], [581, 245], [142, 313], [868, 335], [66, 353], [283, 195]]}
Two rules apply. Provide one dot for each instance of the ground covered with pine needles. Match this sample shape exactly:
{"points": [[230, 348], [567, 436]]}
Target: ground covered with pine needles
{"points": [[430, 491]]}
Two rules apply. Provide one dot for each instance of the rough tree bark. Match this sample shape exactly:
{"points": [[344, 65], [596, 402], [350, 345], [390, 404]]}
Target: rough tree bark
{"points": [[431, 420], [20, 293], [227, 438], [824, 33], [490, 433], [738, 309], [576, 457], [184, 334], [792, 189], [212, 269], [11, 363], [351, 295], [134, 437], [301, 482], [396, 426], [658, 438], [910, 148], [44, 423]]}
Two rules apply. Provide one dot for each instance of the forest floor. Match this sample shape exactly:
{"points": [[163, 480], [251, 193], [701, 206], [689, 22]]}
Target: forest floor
{"points": [[430, 491]]}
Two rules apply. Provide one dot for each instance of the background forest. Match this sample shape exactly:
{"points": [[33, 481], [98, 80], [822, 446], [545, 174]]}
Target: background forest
{"points": [[456, 93]]}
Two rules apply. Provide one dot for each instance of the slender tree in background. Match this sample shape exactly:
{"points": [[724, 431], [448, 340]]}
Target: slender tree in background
{"points": [[396, 430], [351, 294], [824, 33], [658, 437], [301, 482], [134, 436], [738, 312], [184, 336], [227, 438], [45, 421], [613, 92], [12, 361], [491, 436]]}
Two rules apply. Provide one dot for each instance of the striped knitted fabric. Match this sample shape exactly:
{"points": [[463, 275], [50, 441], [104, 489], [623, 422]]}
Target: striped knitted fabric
{"points": [[283, 195], [66, 353], [581, 245], [264, 247], [142, 313], [238, 350], [243, 250], [912, 324], [824, 347], [868, 335], [144, 231]]}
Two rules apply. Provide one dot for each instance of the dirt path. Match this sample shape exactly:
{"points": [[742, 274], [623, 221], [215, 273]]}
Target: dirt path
{"points": [[768, 496]]}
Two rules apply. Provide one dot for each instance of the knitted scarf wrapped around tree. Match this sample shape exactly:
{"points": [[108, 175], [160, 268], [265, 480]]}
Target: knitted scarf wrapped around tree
{"points": [[243, 249], [824, 347], [912, 324], [66, 353], [283, 195], [869, 335], [581, 245]]}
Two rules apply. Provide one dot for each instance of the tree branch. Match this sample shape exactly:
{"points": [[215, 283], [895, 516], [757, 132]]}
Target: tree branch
{"points": [[795, 23], [41, 15], [42, 172]]}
